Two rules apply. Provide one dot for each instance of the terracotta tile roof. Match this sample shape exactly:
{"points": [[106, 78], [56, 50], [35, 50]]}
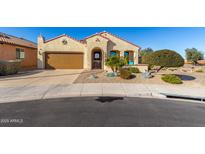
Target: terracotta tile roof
{"points": [[83, 41], [120, 38], [9, 39]]}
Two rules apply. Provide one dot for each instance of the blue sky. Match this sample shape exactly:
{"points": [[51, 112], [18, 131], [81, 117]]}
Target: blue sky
{"points": [[177, 39]]}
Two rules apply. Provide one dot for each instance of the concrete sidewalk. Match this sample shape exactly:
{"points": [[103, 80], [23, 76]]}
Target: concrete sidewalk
{"points": [[43, 91]]}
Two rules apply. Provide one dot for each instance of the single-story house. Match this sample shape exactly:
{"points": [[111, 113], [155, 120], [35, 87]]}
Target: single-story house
{"points": [[12, 48], [65, 52]]}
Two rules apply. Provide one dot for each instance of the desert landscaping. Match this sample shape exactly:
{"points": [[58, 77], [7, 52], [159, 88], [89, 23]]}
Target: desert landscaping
{"points": [[188, 73]]}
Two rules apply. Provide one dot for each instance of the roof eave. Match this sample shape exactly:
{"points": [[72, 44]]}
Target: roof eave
{"points": [[63, 36], [97, 34], [18, 45], [121, 39]]}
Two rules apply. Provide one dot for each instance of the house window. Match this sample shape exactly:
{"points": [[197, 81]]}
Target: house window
{"points": [[97, 56], [126, 53], [129, 56], [20, 54], [115, 53]]}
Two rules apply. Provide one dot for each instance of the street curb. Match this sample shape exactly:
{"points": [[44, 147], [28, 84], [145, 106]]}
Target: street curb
{"points": [[19, 99], [159, 95], [143, 95]]}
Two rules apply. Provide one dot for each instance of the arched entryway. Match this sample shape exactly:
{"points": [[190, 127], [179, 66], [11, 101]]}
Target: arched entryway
{"points": [[96, 58]]}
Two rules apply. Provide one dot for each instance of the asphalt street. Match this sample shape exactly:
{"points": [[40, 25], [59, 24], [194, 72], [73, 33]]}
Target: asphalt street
{"points": [[102, 112]]}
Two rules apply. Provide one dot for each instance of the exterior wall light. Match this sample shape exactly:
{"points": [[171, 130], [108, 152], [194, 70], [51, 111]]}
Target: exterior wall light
{"points": [[64, 41]]}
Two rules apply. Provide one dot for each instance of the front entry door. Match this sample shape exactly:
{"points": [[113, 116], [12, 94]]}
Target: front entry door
{"points": [[97, 60]]}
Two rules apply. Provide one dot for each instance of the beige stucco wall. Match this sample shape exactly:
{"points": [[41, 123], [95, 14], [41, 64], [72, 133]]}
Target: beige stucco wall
{"points": [[56, 45], [142, 67], [93, 42], [120, 45], [106, 46], [96, 42]]}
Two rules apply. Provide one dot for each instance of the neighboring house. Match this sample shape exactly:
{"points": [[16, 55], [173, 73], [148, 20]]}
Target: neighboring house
{"points": [[201, 62], [12, 48], [64, 52]]}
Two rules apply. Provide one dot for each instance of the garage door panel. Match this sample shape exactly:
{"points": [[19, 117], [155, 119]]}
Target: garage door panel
{"points": [[64, 60]]}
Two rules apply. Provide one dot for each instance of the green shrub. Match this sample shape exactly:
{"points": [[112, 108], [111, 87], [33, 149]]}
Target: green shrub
{"points": [[125, 73], [9, 67], [164, 58], [146, 58], [134, 70], [173, 79]]}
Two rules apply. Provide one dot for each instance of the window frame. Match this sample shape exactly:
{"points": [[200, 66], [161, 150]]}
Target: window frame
{"points": [[19, 53]]}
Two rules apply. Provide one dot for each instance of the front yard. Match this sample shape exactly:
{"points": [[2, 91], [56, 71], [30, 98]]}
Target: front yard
{"points": [[45, 84], [189, 78]]}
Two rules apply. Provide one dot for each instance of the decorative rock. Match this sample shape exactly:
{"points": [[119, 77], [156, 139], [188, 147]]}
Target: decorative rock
{"points": [[146, 75], [93, 76], [111, 74]]}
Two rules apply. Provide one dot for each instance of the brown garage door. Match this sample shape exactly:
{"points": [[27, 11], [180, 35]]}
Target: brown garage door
{"points": [[64, 61]]}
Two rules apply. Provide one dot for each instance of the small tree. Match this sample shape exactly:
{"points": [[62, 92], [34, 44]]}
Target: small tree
{"points": [[126, 60], [193, 55], [146, 58], [115, 63], [165, 58], [146, 51]]}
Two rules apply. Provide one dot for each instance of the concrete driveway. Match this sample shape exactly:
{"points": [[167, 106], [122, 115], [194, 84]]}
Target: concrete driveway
{"points": [[34, 84]]}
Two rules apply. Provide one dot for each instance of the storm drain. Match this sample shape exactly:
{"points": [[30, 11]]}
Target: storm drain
{"points": [[184, 97]]}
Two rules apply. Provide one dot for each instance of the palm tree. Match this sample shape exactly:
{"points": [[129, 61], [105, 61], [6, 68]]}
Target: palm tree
{"points": [[115, 63]]}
